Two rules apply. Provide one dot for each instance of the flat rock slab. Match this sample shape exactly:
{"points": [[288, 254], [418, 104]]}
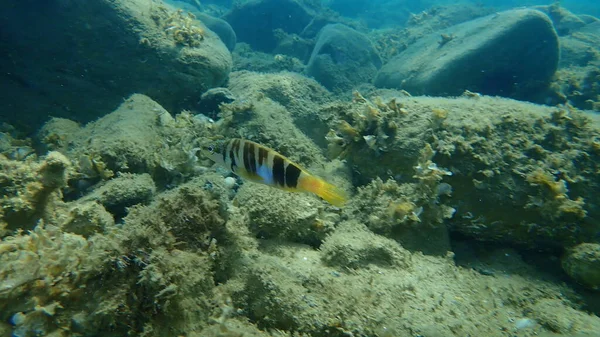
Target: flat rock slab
{"points": [[511, 54], [79, 60]]}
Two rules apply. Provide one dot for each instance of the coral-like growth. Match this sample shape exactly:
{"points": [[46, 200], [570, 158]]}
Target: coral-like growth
{"points": [[182, 27], [555, 202], [366, 123]]}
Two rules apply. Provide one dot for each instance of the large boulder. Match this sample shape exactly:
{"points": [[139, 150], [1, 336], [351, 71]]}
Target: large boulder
{"points": [[511, 53], [221, 27], [342, 58], [255, 22], [88, 56]]}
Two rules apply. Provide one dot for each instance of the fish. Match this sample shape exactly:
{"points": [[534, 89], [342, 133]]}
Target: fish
{"points": [[257, 163]]}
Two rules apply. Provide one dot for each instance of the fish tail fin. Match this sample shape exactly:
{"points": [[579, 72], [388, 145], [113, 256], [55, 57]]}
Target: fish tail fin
{"points": [[323, 189]]}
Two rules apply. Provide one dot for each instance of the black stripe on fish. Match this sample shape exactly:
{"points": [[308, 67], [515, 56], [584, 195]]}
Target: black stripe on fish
{"points": [[249, 157], [292, 172], [278, 171], [232, 151], [245, 157], [224, 151], [263, 154]]}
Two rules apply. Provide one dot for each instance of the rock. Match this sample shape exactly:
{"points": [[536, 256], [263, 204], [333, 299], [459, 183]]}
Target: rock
{"points": [[210, 101], [564, 21], [221, 27], [582, 263], [509, 54], [354, 249], [476, 139], [140, 136], [589, 19], [592, 28], [342, 58], [276, 214], [255, 21], [109, 49], [122, 192], [125, 140], [579, 49], [87, 219], [29, 189], [300, 98], [295, 46]]}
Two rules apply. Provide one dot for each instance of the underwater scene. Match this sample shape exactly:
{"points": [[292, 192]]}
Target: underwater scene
{"points": [[300, 168]]}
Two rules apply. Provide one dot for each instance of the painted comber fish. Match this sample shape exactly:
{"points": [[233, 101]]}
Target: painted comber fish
{"points": [[258, 163]]}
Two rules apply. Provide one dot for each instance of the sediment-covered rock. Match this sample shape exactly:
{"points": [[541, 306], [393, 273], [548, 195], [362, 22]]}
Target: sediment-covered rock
{"points": [[511, 54]]}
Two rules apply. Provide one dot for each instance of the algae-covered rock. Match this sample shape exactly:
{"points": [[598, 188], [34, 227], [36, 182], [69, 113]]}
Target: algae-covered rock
{"points": [[564, 20], [212, 99], [582, 263], [411, 213], [511, 54], [122, 192], [111, 49], [30, 190], [181, 282], [56, 275], [132, 272], [127, 139], [193, 213], [515, 171], [351, 248], [87, 219], [342, 58], [140, 136], [276, 214]]}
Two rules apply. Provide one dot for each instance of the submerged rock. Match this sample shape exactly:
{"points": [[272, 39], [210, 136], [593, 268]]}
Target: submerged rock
{"points": [[582, 263], [211, 99], [564, 21], [255, 21], [342, 58], [221, 27], [510, 54], [108, 50], [30, 190], [140, 136], [123, 192]]}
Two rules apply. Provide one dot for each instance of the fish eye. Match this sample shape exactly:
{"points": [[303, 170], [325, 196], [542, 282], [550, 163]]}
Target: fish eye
{"points": [[211, 149]]}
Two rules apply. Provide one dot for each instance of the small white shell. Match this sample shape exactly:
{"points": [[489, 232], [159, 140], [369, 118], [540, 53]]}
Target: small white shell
{"points": [[230, 182]]}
